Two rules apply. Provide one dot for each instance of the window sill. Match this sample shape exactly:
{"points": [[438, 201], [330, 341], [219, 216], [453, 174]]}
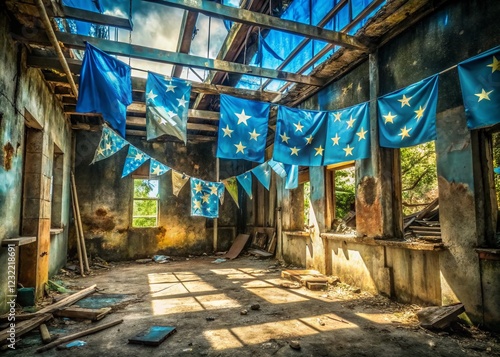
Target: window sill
{"points": [[488, 253], [297, 234], [350, 238]]}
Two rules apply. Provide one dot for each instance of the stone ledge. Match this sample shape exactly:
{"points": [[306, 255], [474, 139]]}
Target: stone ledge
{"points": [[297, 234], [384, 242], [488, 253]]}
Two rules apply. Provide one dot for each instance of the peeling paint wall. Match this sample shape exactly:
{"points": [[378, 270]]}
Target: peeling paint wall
{"points": [[24, 96], [106, 202]]}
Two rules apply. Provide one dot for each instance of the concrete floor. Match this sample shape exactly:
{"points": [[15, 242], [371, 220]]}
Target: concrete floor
{"points": [[185, 293]]}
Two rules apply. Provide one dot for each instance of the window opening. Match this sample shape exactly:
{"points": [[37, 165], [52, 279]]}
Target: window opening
{"points": [[146, 203]]}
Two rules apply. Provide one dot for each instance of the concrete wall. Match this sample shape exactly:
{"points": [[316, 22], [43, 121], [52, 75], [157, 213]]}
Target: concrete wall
{"points": [[25, 97], [106, 202], [454, 32]]}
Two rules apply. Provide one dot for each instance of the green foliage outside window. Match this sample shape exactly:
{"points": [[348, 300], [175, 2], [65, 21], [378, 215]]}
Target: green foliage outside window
{"points": [[145, 206], [418, 177], [345, 192]]}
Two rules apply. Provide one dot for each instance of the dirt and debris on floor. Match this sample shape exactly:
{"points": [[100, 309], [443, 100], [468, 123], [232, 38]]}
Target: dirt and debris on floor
{"points": [[243, 308]]}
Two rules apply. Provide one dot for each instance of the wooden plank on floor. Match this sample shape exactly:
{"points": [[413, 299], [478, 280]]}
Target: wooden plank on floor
{"points": [[237, 247]]}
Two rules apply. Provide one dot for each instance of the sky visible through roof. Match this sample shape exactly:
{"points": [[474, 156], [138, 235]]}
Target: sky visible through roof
{"points": [[158, 26]]}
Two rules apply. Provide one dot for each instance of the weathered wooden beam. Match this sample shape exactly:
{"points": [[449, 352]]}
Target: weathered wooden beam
{"points": [[191, 137], [139, 84], [186, 37], [96, 18], [138, 107], [141, 122], [265, 21], [163, 56]]}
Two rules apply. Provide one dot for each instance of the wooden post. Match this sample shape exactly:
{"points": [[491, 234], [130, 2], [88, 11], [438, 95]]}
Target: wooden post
{"points": [[80, 226], [78, 246], [216, 223]]}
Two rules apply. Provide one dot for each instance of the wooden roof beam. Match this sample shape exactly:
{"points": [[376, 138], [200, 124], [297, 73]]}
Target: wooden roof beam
{"points": [[186, 37], [163, 56], [96, 18], [265, 21], [139, 84]]}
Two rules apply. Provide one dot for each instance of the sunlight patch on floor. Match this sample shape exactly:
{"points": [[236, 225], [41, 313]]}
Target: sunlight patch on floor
{"points": [[214, 337], [277, 295]]}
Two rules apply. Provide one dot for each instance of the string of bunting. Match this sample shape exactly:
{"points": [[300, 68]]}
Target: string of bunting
{"points": [[406, 117]]}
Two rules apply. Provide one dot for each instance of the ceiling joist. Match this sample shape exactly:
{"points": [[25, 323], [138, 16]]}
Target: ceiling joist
{"points": [[163, 56], [265, 21], [139, 84], [96, 18]]}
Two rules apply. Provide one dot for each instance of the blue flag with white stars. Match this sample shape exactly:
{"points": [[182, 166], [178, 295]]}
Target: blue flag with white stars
{"points": [[167, 104], [105, 87], [263, 174], [300, 137], [292, 177], [110, 144], [156, 168], [480, 82], [245, 181], [134, 159], [242, 129], [407, 117], [348, 134], [205, 197]]}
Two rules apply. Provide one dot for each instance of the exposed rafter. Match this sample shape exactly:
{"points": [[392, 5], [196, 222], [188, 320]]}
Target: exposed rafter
{"points": [[139, 84], [185, 38], [265, 21], [163, 56], [96, 18]]}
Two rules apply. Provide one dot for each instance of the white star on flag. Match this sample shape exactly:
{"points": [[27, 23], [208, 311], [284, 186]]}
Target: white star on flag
{"points": [[182, 102], [151, 95], [242, 117]]}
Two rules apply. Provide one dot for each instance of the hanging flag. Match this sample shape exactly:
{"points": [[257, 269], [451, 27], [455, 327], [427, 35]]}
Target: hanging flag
{"points": [[242, 129], [110, 144], [157, 168], [292, 177], [178, 181], [277, 167], [407, 117], [205, 198], [245, 180], [497, 170], [348, 134], [167, 104], [300, 137], [134, 159], [231, 186], [263, 174], [480, 81], [105, 87]]}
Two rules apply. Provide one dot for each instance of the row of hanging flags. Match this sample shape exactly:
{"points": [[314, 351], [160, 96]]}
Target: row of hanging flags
{"points": [[205, 195], [406, 117]]}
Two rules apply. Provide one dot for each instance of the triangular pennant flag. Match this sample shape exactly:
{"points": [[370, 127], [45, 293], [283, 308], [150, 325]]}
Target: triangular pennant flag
{"points": [[245, 180], [292, 177], [167, 104], [480, 81], [157, 168], [105, 87], [300, 137], [232, 187], [407, 117], [348, 135], [263, 174], [178, 181], [497, 170], [110, 144], [134, 159], [242, 129], [205, 197], [277, 167]]}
